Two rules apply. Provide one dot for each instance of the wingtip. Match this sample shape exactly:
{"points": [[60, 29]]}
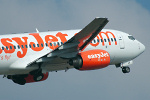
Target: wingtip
{"points": [[101, 17], [97, 17]]}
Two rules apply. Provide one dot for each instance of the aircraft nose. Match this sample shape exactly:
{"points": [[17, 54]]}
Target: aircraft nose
{"points": [[142, 47]]}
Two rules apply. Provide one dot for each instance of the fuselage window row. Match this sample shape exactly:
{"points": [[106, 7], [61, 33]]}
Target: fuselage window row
{"points": [[51, 44], [104, 40], [30, 46]]}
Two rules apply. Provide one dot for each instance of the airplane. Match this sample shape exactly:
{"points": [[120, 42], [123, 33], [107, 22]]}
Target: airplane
{"points": [[29, 57]]}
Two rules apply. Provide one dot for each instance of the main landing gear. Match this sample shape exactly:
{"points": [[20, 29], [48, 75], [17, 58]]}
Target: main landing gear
{"points": [[37, 75]]}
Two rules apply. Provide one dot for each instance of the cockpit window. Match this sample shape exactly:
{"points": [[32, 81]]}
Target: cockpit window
{"points": [[131, 37]]}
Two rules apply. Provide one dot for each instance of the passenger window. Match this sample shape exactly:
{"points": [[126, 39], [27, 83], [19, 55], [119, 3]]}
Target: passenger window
{"points": [[101, 40], [10, 47], [50, 44], [54, 44], [97, 40], [115, 39], [37, 45], [105, 40], [112, 39], [30, 45], [61, 43], [108, 40], [18, 47], [6, 47], [14, 47], [58, 43], [2, 48], [26, 46], [34, 45], [22, 46], [94, 41], [46, 44], [41, 44]]}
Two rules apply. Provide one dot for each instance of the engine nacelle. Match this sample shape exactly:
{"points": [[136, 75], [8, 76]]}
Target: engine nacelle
{"points": [[90, 60], [32, 78], [28, 78]]}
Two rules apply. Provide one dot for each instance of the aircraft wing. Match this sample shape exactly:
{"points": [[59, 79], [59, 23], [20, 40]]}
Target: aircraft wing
{"points": [[77, 43], [80, 40]]}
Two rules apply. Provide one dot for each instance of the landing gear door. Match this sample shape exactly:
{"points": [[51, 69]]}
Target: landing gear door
{"points": [[121, 41]]}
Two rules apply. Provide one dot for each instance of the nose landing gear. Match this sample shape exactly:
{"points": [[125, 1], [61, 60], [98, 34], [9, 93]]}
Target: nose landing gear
{"points": [[125, 69], [124, 66]]}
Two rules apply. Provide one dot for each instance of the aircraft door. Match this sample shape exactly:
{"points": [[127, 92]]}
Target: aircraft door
{"points": [[121, 41]]}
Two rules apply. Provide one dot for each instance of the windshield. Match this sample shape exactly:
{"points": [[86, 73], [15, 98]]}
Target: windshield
{"points": [[131, 37]]}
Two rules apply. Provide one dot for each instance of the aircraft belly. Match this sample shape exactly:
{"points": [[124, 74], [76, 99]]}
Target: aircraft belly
{"points": [[56, 67]]}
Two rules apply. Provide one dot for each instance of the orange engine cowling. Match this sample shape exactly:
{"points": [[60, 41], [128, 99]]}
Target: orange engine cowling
{"points": [[90, 60], [31, 78]]}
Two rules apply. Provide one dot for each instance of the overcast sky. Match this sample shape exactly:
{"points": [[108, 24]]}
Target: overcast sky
{"points": [[130, 16]]}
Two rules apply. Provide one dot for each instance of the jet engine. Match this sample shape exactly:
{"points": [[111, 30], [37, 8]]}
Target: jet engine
{"points": [[28, 78], [90, 60]]}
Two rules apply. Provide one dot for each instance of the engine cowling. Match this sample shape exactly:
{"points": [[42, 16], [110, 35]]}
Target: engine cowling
{"points": [[32, 78], [91, 60], [28, 78]]}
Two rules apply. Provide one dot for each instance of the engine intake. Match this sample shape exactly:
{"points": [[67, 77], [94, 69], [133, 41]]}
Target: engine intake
{"points": [[76, 62]]}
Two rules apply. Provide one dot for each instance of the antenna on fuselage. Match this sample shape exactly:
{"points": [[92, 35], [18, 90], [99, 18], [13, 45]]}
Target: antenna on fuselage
{"points": [[37, 30]]}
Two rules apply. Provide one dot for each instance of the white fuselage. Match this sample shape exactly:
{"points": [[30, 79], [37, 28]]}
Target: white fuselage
{"points": [[121, 47]]}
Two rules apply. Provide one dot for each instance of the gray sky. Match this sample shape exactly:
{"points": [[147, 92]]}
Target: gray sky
{"points": [[106, 84]]}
